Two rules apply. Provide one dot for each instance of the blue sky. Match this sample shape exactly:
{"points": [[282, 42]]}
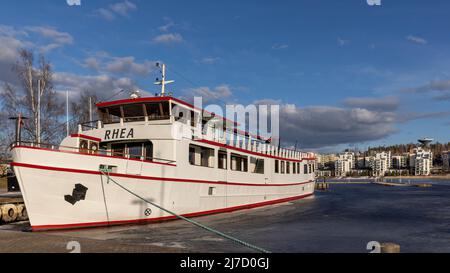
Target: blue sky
{"points": [[346, 74]]}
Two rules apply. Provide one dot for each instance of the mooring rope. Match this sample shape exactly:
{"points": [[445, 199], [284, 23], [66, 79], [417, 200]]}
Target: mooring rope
{"points": [[226, 236]]}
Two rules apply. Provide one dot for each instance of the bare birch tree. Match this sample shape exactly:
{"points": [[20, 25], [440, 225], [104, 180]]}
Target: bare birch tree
{"points": [[25, 98], [80, 108]]}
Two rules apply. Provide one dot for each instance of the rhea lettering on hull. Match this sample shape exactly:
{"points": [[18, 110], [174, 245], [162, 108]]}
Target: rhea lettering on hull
{"points": [[119, 134]]}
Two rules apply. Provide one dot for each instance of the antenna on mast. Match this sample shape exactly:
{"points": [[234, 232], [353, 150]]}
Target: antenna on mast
{"points": [[163, 81]]}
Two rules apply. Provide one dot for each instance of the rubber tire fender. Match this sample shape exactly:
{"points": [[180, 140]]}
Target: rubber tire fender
{"points": [[22, 213], [9, 213]]}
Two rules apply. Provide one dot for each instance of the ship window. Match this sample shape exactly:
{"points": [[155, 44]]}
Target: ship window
{"points": [[158, 111], [194, 117], [305, 167], [283, 166], [93, 147], [192, 155], [211, 191], [118, 149], [222, 160], [239, 163], [288, 167], [84, 146], [135, 150], [257, 165], [201, 156], [277, 166], [298, 168], [133, 112], [294, 167], [148, 149]]}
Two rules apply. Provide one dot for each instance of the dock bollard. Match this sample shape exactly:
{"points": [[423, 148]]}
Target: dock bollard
{"points": [[390, 248]]}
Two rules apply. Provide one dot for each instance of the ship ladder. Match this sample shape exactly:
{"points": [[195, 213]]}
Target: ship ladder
{"points": [[219, 233]]}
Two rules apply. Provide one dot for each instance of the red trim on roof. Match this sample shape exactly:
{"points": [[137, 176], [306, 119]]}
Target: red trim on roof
{"points": [[151, 99], [159, 219], [86, 137], [131, 101]]}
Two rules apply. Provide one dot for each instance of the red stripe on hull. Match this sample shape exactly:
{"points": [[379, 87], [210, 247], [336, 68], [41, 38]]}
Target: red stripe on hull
{"points": [[144, 221], [16, 164]]}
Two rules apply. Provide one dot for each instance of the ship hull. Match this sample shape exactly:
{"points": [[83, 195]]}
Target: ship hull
{"points": [[51, 181]]}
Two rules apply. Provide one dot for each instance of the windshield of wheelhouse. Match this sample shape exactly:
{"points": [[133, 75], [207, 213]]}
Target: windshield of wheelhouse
{"points": [[135, 112]]}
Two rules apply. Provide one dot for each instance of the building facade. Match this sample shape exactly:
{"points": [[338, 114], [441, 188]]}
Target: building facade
{"points": [[344, 164], [446, 161], [421, 161], [380, 163], [400, 161]]}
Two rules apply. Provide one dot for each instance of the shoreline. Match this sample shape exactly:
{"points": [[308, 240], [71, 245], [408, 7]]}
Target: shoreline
{"points": [[433, 177]]}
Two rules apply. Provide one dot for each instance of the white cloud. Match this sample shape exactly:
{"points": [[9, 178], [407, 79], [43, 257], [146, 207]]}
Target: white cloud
{"points": [[341, 42], [166, 27], [207, 94], [61, 38], [325, 126], [92, 63], [12, 39], [168, 38], [417, 40], [209, 60], [440, 89], [123, 8], [280, 46], [103, 85], [118, 9], [377, 104], [128, 65], [119, 65]]}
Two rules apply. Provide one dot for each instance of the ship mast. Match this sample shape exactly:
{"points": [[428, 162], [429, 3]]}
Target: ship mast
{"points": [[163, 81]]}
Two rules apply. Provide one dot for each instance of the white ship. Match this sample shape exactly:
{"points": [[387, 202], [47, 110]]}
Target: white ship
{"points": [[137, 141]]}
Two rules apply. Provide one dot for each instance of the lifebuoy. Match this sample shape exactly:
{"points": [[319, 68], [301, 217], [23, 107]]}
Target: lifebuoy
{"points": [[22, 214], [9, 213]]}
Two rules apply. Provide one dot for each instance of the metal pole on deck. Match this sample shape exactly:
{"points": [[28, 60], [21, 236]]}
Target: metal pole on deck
{"points": [[90, 110], [38, 125], [67, 112]]}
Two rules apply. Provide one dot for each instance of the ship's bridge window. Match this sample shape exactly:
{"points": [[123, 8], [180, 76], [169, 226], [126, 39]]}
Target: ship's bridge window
{"points": [[257, 165], [135, 112], [134, 150], [277, 166], [239, 163], [201, 156]]}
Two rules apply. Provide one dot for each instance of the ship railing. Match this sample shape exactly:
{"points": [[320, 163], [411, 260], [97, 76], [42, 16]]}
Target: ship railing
{"points": [[101, 152], [150, 117]]}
